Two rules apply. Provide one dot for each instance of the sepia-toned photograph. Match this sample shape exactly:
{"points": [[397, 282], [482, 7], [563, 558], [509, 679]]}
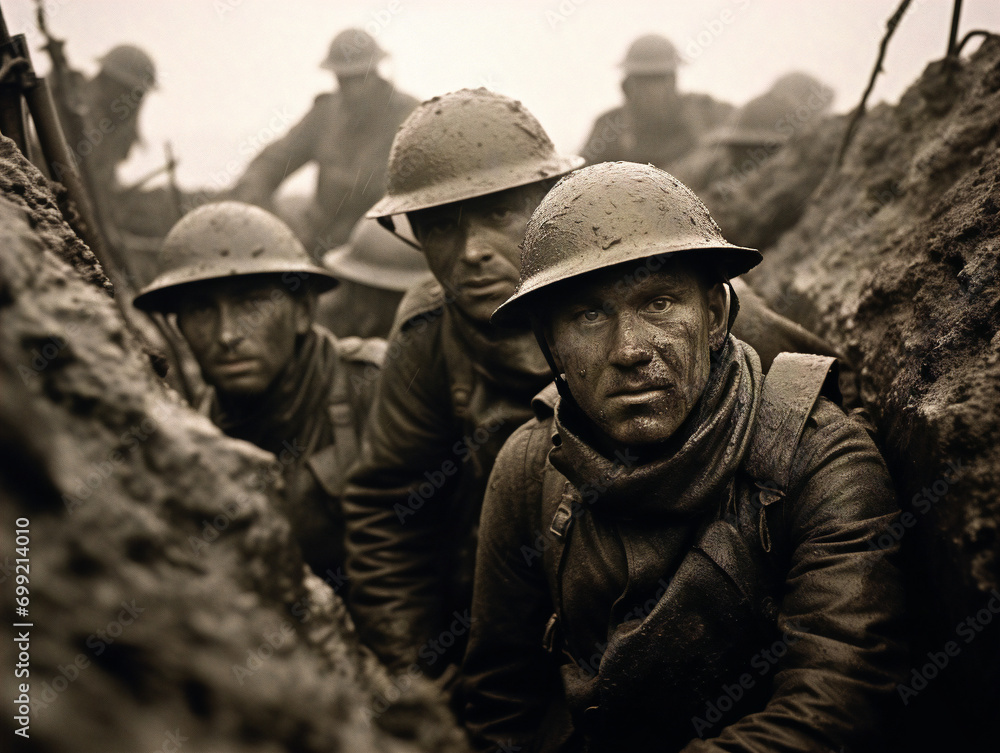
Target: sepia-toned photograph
{"points": [[539, 376]]}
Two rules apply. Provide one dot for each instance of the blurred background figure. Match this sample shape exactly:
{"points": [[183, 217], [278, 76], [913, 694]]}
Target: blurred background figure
{"points": [[656, 124], [100, 117], [795, 102], [348, 133], [375, 269], [110, 104]]}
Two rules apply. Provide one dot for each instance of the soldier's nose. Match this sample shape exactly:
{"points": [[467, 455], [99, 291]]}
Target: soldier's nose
{"points": [[628, 347], [478, 247], [229, 329]]}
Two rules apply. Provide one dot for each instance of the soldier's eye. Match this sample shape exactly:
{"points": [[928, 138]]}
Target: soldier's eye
{"points": [[591, 315], [658, 305], [199, 310], [434, 225]]}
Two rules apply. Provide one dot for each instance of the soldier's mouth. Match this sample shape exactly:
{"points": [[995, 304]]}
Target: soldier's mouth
{"points": [[485, 286], [639, 392], [235, 367]]}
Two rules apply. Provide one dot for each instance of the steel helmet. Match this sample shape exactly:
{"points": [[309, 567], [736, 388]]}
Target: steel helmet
{"points": [[353, 52], [468, 143], [801, 88], [793, 101], [227, 239], [650, 55], [130, 65], [376, 257], [611, 213]]}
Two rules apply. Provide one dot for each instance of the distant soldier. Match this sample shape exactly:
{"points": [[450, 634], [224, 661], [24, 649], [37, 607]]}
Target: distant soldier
{"points": [[348, 133], [657, 124], [731, 153], [110, 104], [468, 169], [375, 268], [244, 293]]}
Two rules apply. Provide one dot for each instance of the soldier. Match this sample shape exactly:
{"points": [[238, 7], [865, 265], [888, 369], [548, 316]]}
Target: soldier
{"points": [[467, 169], [656, 124], [110, 104], [375, 268], [348, 133], [677, 553], [754, 133], [244, 293]]}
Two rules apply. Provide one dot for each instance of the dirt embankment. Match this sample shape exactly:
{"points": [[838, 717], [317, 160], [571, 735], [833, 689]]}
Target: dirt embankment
{"points": [[169, 607], [896, 260]]}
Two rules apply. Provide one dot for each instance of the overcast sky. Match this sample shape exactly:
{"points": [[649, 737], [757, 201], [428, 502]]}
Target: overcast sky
{"points": [[236, 73]]}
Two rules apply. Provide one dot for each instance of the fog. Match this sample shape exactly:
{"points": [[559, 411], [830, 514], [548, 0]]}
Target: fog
{"points": [[234, 74]]}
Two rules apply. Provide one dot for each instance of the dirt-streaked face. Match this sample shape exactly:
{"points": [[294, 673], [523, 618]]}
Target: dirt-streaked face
{"points": [[242, 331], [472, 246], [636, 349]]}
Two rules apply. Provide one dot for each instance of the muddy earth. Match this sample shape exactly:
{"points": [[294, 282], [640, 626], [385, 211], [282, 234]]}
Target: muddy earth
{"points": [[896, 260], [167, 605]]}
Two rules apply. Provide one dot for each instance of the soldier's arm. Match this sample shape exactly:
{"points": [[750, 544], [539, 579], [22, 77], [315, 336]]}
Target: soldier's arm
{"points": [[396, 512], [510, 679], [280, 159], [841, 616]]}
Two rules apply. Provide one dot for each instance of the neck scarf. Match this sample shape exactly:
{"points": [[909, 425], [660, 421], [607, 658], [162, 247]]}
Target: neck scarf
{"points": [[692, 474]]}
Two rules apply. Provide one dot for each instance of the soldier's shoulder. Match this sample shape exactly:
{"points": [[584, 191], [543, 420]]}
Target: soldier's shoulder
{"points": [[612, 115], [705, 110], [424, 301], [526, 450]]}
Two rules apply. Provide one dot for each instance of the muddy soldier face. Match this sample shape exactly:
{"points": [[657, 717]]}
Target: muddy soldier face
{"points": [[237, 280], [472, 246], [244, 292], [242, 331], [636, 356], [468, 169], [627, 521]]}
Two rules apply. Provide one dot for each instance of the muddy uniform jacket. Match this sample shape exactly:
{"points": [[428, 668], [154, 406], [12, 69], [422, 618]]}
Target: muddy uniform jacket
{"points": [[673, 603], [312, 423], [351, 146], [446, 402]]}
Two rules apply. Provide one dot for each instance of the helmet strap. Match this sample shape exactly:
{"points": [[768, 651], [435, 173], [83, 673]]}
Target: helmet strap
{"points": [[389, 225], [560, 380], [734, 305]]}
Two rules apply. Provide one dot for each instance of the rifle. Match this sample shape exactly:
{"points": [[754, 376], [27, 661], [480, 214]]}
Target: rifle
{"points": [[18, 85]]}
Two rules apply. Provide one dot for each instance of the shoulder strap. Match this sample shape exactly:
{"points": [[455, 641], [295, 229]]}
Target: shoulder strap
{"points": [[790, 390], [558, 500], [331, 464]]}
